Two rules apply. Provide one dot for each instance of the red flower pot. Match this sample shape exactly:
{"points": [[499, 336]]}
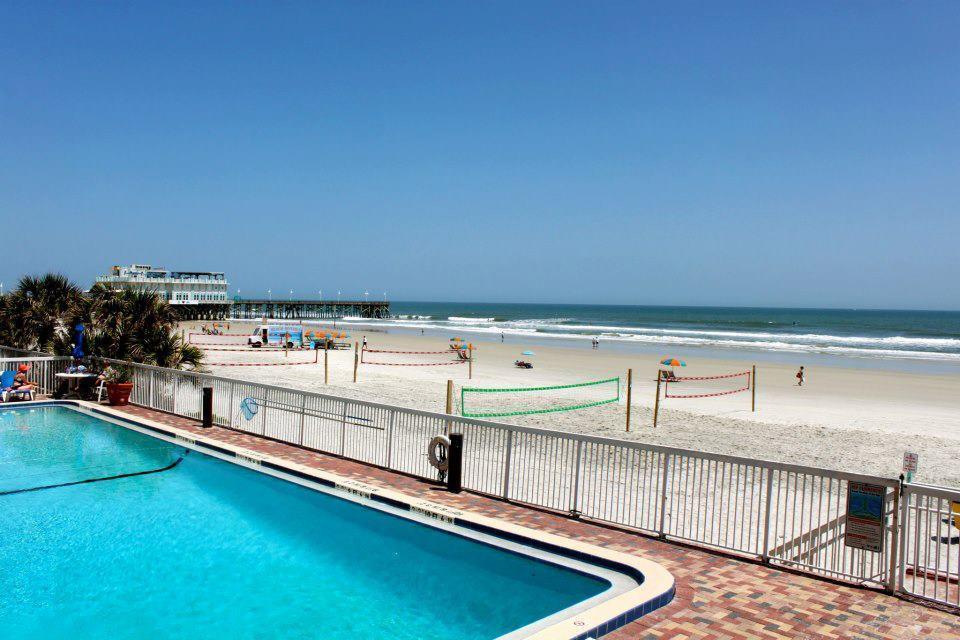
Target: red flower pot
{"points": [[118, 393]]}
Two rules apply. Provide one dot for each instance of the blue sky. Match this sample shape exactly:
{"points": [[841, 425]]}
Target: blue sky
{"points": [[783, 154]]}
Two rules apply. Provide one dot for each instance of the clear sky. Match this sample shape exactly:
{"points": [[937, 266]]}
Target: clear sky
{"points": [[765, 153]]}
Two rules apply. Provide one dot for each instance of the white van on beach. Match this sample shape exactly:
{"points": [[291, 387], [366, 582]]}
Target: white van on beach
{"points": [[276, 335]]}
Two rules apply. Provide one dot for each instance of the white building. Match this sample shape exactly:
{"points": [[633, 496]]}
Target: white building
{"points": [[179, 288]]}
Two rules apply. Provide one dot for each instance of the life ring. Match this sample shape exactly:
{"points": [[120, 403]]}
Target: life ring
{"points": [[435, 461]]}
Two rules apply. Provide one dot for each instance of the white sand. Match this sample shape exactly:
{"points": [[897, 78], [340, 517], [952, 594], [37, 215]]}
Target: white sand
{"points": [[858, 420]]}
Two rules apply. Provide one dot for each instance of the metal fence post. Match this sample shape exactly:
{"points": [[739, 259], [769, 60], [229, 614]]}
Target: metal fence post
{"points": [[894, 542], [904, 525], [343, 428], [230, 415], [393, 418], [661, 526], [508, 454], [575, 496], [765, 552], [303, 416]]}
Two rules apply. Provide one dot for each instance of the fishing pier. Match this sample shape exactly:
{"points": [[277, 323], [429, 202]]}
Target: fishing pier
{"points": [[308, 309]]}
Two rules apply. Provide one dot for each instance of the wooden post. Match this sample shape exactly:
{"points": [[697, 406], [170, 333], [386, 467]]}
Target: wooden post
{"points": [[356, 359], [316, 354], [286, 341], [470, 360], [326, 367], [656, 401], [629, 395], [753, 389], [449, 407]]}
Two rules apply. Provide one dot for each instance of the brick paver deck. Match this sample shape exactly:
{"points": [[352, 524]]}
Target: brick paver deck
{"points": [[718, 597]]}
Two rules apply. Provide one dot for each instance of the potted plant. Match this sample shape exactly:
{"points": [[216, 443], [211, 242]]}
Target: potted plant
{"points": [[119, 381]]}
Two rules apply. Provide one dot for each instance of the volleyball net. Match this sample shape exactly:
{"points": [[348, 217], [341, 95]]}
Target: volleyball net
{"points": [[705, 386], [478, 402], [395, 358]]}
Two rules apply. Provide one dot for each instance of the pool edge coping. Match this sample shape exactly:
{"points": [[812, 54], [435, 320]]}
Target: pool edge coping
{"points": [[655, 589]]}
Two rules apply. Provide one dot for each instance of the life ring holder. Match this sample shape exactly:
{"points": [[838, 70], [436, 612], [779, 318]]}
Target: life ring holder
{"points": [[435, 461]]}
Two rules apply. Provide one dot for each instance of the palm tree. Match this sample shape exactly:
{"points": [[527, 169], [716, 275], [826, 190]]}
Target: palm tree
{"points": [[38, 314], [134, 325], [137, 325]]}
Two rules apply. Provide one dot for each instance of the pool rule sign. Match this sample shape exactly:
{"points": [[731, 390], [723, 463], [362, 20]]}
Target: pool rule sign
{"points": [[865, 516]]}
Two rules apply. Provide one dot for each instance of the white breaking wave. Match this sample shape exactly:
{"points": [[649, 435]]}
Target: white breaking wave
{"points": [[944, 349]]}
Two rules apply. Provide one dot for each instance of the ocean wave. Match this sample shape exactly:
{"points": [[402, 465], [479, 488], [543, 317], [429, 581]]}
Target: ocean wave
{"points": [[944, 349], [556, 325]]}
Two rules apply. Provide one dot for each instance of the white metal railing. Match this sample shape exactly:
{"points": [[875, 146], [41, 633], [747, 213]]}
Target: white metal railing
{"points": [[43, 369], [788, 515]]}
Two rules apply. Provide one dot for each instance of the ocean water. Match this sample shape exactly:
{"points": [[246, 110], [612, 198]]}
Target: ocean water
{"points": [[931, 337], [211, 550]]}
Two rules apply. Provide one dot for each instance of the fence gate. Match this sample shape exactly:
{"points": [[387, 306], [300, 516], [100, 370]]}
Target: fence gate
{"points": [[930, 540]]}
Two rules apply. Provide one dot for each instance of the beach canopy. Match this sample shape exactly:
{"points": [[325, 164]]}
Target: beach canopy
{"points": [[673, 362], [528, 353]]}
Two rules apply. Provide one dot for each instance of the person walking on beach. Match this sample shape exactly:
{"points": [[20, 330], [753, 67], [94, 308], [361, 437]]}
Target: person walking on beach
{"points": [[364, 342], [501, 336], [800, 376]]}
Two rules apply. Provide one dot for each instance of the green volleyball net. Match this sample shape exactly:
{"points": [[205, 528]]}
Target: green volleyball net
{"points": [[480, 402]]}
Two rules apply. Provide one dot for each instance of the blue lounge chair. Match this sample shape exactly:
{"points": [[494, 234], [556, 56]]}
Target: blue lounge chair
{"points": [[6, 387]]}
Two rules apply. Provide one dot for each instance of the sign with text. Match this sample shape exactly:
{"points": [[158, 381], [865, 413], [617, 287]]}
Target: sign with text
{"points": [[911, 461], [865, 516]]}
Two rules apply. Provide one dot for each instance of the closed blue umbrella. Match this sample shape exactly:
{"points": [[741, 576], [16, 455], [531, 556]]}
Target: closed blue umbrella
{"points": [[78, 341]]}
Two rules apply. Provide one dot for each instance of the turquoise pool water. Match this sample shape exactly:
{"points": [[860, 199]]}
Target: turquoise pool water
{"points": [[210, 549]]}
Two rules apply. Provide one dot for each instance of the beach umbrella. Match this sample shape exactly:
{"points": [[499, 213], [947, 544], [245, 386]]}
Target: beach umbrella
{"points": [[528, 353], [78, 341], [673, 362]]}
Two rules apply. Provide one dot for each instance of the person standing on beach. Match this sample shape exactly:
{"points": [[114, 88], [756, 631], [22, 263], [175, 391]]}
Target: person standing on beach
{"points": [[501, 336], [364, 342], [800, 376]]}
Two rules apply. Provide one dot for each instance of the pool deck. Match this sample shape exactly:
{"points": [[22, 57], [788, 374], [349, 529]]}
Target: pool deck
{"points": [[718, 597]]}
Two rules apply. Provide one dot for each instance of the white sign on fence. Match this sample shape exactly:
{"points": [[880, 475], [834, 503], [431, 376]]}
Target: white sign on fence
{"points": [[910, 463], [865, 516]]}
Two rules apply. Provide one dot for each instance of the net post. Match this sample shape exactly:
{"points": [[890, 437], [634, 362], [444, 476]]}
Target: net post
{"points": [[316, 356], [356, 358], [656, 400], [470, 360], [326, 366], [629, 395], [449, 407], [753, 389]]}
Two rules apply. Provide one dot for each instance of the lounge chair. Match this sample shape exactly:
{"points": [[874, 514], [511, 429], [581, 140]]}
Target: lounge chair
{"points": [[668, 376], [6, 387]]}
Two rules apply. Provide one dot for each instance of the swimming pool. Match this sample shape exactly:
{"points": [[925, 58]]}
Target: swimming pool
{"points": [[179, 542]]}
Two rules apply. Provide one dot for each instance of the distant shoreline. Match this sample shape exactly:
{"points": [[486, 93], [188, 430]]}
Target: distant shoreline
{"points": [[916, 341]]}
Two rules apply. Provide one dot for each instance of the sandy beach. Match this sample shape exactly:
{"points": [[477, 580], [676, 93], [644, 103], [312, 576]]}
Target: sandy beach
{"points": [[852, 419]]}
